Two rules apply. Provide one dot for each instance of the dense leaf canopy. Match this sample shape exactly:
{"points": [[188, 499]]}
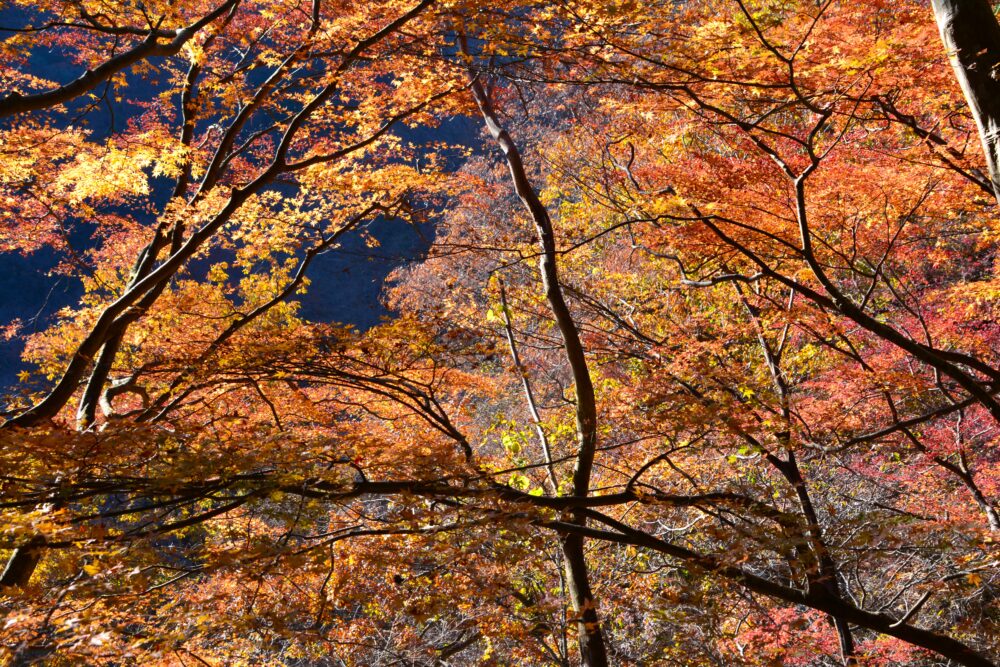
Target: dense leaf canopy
{"points": [[701, 366]]}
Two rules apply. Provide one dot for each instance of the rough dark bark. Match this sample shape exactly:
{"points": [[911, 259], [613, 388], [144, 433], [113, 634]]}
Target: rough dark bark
{"points": [[150, 47], [142, 292], [87, 410], [826, 574], [818, 598], [118, 313], [971, 34], [21, 564], [823, 571]]}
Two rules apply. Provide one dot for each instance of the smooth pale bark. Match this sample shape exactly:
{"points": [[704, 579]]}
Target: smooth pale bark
{"points": [[593, 651], [529, 395], [971, 34]]}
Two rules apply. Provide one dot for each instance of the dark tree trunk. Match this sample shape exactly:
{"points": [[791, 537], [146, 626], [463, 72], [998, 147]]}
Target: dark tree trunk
{"points": [[21, 564]]}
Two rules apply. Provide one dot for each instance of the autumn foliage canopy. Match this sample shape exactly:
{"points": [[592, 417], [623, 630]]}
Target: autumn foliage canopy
{"points": [[700, 366]]}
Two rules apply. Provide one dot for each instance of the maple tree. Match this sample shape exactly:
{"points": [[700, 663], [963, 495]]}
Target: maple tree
{"points": [[701, 366]]}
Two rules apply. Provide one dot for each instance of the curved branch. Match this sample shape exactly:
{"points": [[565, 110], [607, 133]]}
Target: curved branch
{"points": [[16, 103]]}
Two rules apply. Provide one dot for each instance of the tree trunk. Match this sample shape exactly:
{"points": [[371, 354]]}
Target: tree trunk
{"points": [[21, 564], [593, 649], [971, 35]]}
